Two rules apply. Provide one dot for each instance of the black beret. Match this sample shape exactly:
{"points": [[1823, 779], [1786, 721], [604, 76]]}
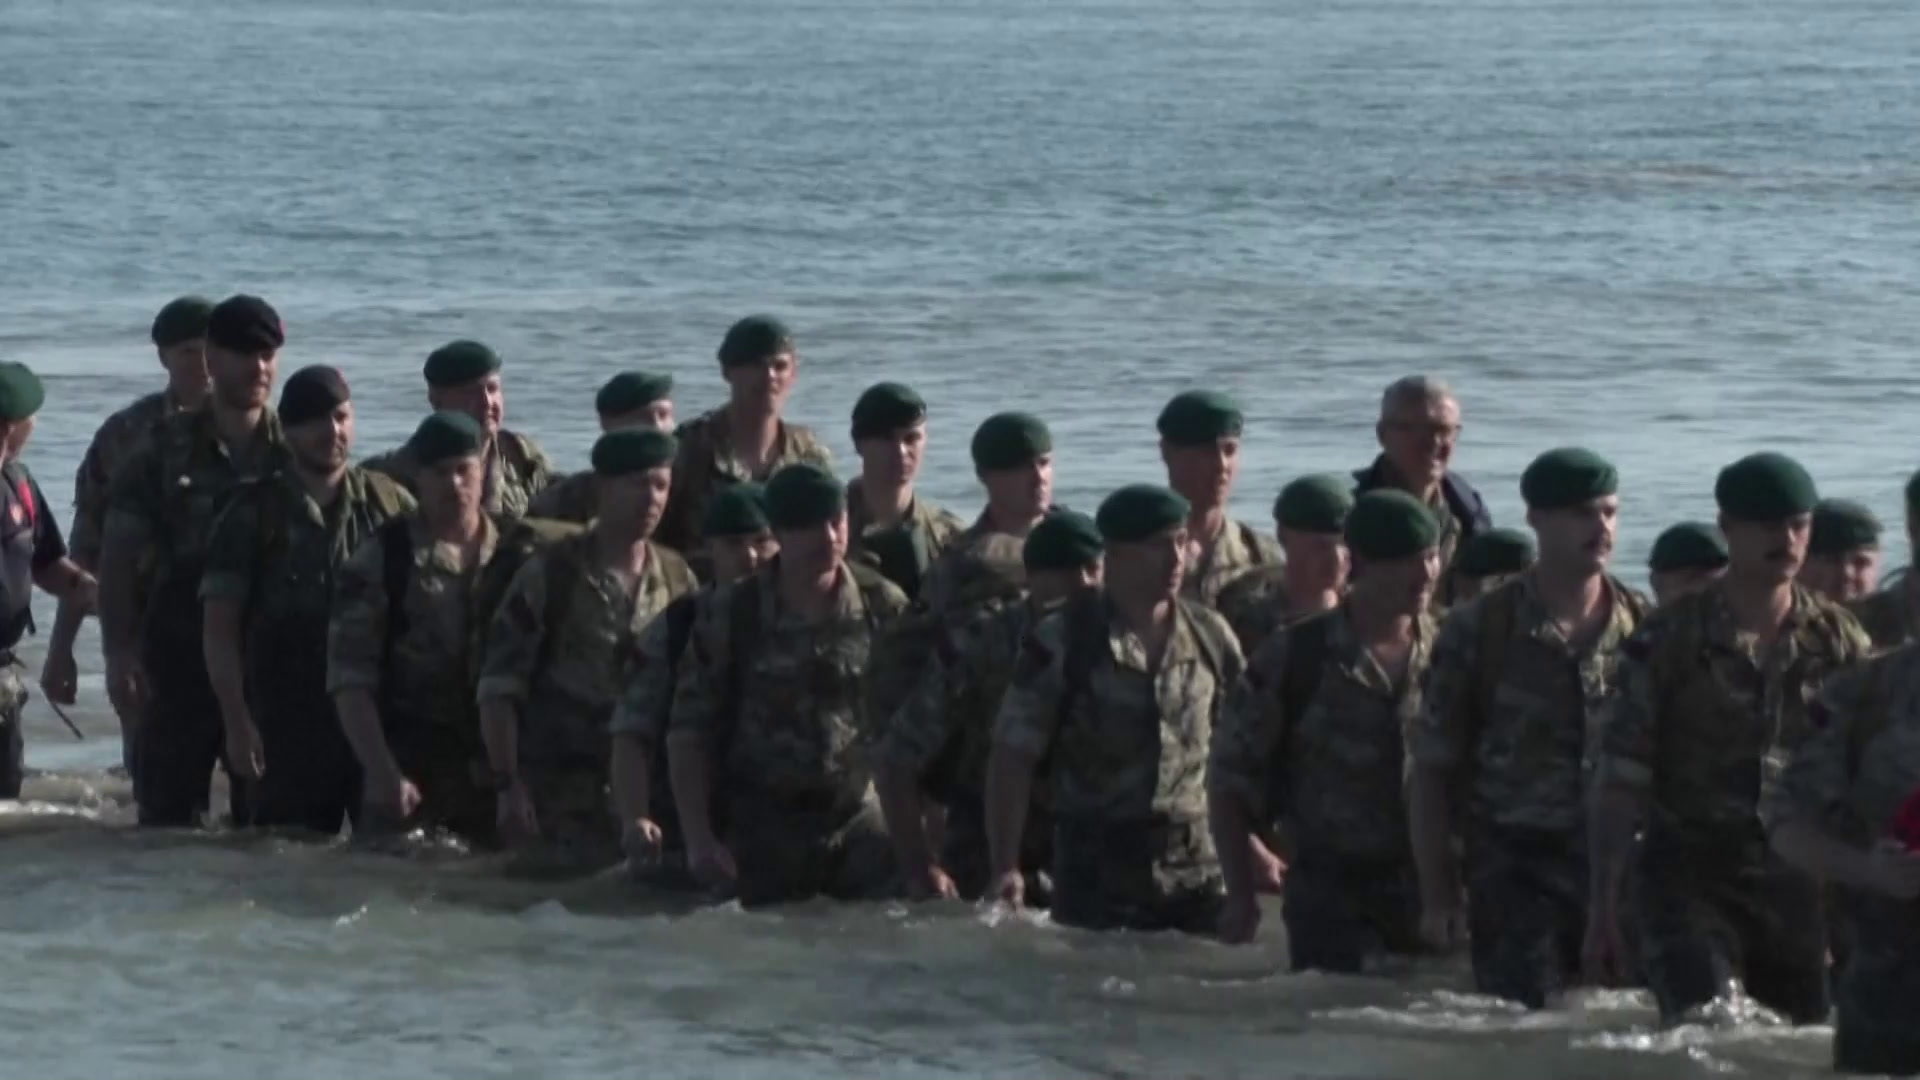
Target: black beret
{"points": [[801, 496], [1690, 545], [631, 391], [633, 450], [1063, 540], [1495, 551], [1842, 525], [1200, 417], [181, 320], [1010, 440], [312, 392], [21, 393], [886, 408], [738, 510], [445, 435], [1315, 504], [1386, 525], [1765, 487], [245, 324], [1138, 512], [754, 339], [459, 362], [1567, 477]]}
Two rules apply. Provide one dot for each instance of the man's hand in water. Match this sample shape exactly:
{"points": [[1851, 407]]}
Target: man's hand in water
{"points": [[60, 677], [712, 864]]}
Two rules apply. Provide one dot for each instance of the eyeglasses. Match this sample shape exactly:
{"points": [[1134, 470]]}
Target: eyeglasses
{"points": [[1427, 428]]}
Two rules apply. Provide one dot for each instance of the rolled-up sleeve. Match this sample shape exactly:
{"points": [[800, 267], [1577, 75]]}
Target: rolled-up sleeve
{"points": [[357, 628], [515, 635], [1030, 712]]}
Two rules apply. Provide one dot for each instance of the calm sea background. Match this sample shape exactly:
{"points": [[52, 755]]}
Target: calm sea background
{"points": [[1676, 232]]}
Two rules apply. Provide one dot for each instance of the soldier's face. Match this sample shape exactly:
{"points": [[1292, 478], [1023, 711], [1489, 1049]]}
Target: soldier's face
{"points": [[186, 363], [1203, 475], [736, 557], [1152, 568], [1418, 438], [1577, 539], [1847, 576], [483, 399], [1401, 586], [816, 550], [763, 385], [1025, 491], [1315, 560], [14, 436], [658, 416], [894, 458], [451, 489], [1050, 586], [1767, 552], [1670, 585], [242, 380], [324, 443], [634, 504]]}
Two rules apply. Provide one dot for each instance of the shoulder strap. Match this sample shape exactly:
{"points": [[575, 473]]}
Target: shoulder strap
{"points": [[1498, 614], [1082, 617], [680, 578], [1308, 643], [20, 482], [396, 568], [1207, 636], [563, 575], [385, 494], [679, 616], [743, 632], [872, 584]]}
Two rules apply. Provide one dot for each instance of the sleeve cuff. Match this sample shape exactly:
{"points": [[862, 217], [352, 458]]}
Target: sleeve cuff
{"points": [[223, 586], [512, 687]]}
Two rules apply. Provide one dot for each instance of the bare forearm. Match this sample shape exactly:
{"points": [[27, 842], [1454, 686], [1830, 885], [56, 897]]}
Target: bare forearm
{"points": [[500, 731], [906, 817], [360, 721], [687, 769], [1822, 855], [1430, 828], [1228, 818], [220, 646], [1009, 787], [1614, 815], [119, 605], [631, 777], [66, 625]]}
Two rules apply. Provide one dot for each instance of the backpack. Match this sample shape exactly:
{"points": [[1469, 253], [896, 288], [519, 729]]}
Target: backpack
{"points": [[1086, 629], [271, 528]]}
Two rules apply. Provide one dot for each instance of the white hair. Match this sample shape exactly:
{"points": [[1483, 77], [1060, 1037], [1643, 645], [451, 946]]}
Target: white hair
{"points": [[1418, 390]]}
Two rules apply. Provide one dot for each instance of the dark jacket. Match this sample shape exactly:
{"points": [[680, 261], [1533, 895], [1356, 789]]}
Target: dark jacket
{"points": [[1466, 504]]}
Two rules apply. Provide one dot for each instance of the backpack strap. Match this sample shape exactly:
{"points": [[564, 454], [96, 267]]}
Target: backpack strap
{"points": [[1085, 622], [563, 577], [396, 569], [1207, 637], [1309, 645], [743, 632]]}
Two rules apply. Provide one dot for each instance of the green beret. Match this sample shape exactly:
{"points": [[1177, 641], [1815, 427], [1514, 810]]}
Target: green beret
{"points": [[1690, 545], [445, 435], [1200, 417], [1495, 551], [737, 510], [181, 320], [1567, 477], [459, 362], [1139, 512], [631, 391], [886, 408], [1009, 440], [20, 392], [1063, 540], [753, 339], [618, 453], [1386, 525], [1315, 504], [1765, 487], [802, 496], [1842, 525]]}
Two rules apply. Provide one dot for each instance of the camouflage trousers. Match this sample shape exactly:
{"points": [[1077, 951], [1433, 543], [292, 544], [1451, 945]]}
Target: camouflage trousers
{"points": [[789, 849], [1527, 901], [578, 833], [450, 770], [1715, 912], [13, 703], [1877, 1002], [964, 854], [1342, 911], [1159, 874]]}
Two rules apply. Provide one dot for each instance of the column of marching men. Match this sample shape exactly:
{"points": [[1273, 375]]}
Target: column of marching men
{"points": [[709, 658]]}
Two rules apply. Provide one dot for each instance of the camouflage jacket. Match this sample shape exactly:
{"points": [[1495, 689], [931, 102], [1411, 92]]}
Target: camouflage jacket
{"points": [[1342, 762], [574, 497], [569, 676], [981, 564], [1238, 549], [786, 716], [277, 551], [1705, 721], [432, 663], [1256, 604], [517, 470], [706, 464], [646, 701], [123, 433], [1130, 743], [167, 495], [904, 552], [1522, 715], [1860, 763], [1891, 617]]}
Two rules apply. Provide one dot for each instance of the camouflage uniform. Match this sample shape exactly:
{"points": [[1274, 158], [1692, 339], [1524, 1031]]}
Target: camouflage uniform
{"points": [[1513, 718], [645, 707], [277, 552], [517, 470], [122, 434], [30, 542], [786, 730], [979, 564], [1336, 774], [1128, 743], [1256, 605], [574, 497], [706, 464], [1704, 723], [944, 734], [1889, 616], [1237, 549], [423, 676], [566, 679], [1852, 778], [903, 552], [164, 502]]}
